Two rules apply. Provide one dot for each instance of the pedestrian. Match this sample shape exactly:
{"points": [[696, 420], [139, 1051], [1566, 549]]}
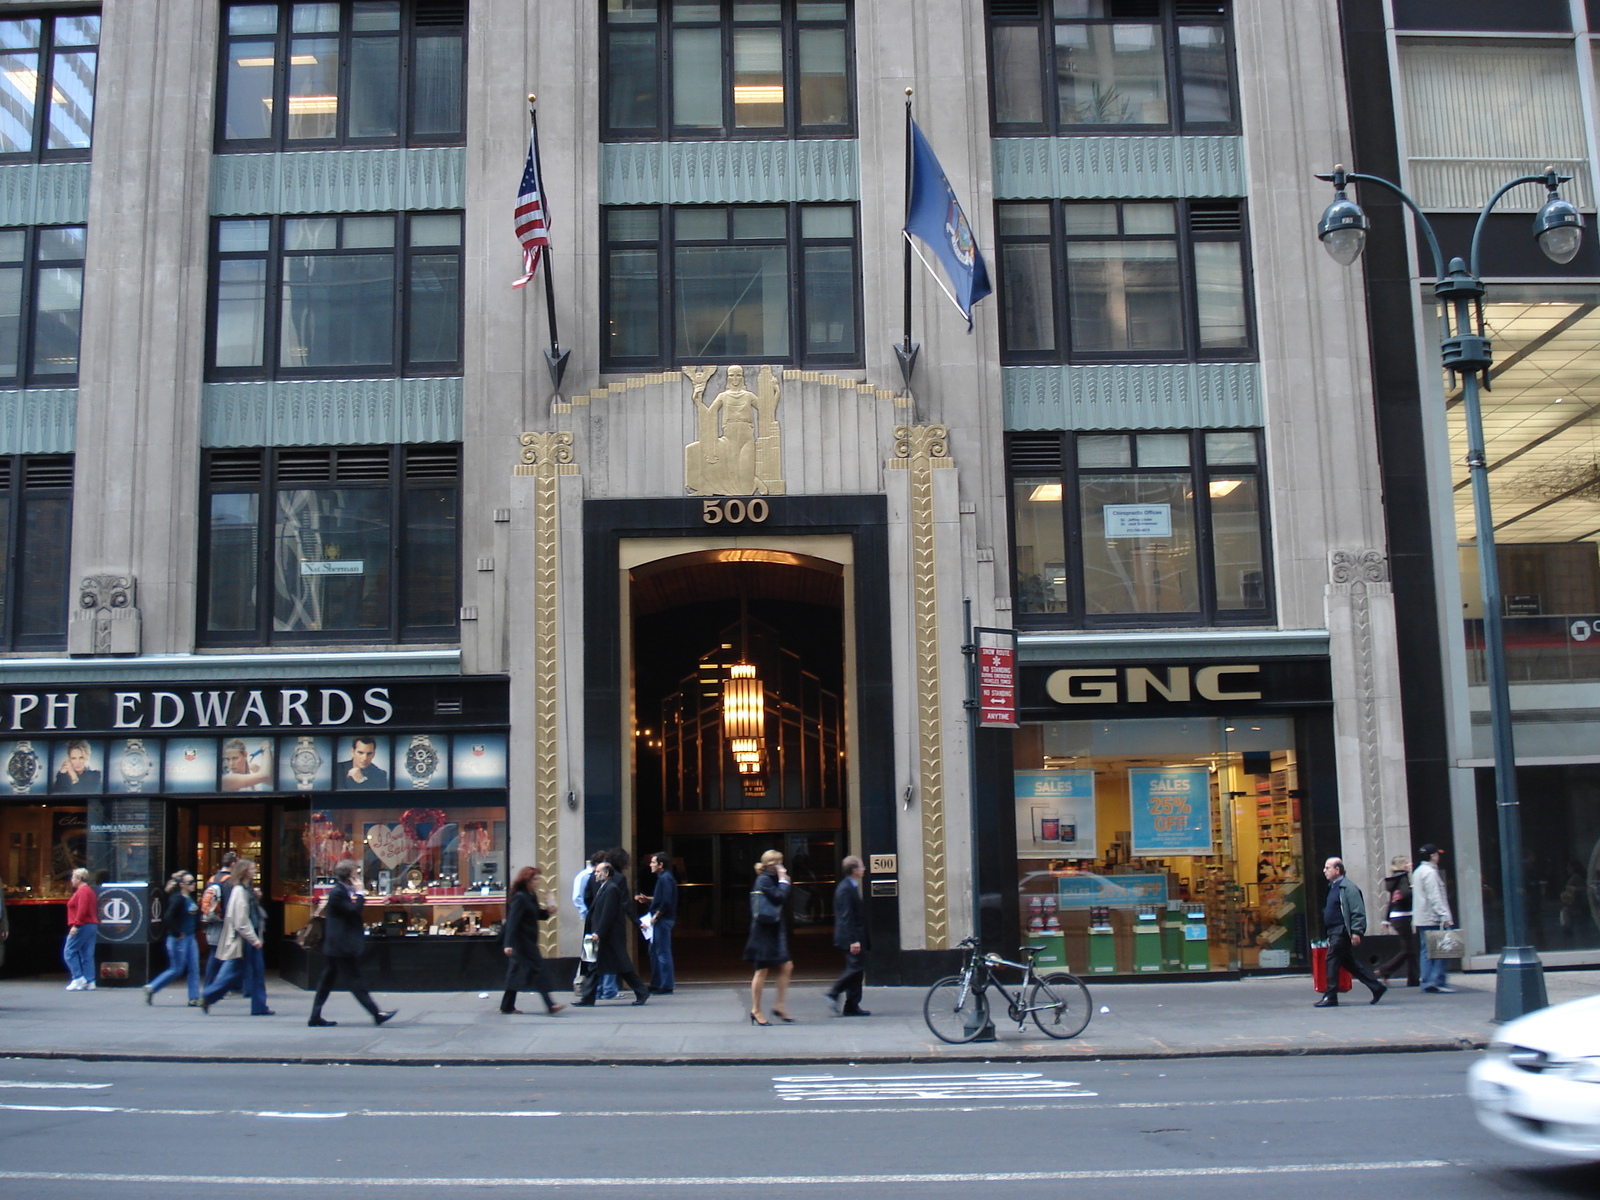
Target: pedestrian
{"points": [[240, 945], [1397, 902], [525, 971], [183, 956], [1344, 917], [83, 930], [609, 921], [1430, 910], [343, 938], [583, 890], [663, 916], [768, 944], [5, 923], [213, 907], [851, 935]]}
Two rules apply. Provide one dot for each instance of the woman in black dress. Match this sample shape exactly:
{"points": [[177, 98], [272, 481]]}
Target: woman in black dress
{"points": [[524, 964], [768, 947]]}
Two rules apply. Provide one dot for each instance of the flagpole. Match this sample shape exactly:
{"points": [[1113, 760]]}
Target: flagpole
{"points": [[555, 358], [906, 351]]}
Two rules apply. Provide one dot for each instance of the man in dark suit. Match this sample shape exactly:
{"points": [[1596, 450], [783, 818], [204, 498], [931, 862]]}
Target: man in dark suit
{"points": [[343, 939], [850, 935], [357, 772]]}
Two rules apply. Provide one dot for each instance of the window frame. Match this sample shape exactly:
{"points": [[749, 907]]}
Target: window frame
{"points": [[665, 245], [1044, 20], [1207, 614], [1186, 237], [16, 487], [401, 254], [278, 139], [266, 487], [788, 22], [31, 266], [44, 83]]}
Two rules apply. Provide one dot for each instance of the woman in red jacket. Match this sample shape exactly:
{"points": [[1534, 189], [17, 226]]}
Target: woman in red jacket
{"points": [[83, 928]]}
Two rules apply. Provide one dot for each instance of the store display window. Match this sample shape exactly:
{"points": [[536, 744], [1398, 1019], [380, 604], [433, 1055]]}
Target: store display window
{"points": [[1161, 846], [40, 846]]}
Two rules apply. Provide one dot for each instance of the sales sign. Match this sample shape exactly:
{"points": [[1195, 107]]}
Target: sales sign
{"points": [[997, 686], [1055, 814], [1171, 811]]}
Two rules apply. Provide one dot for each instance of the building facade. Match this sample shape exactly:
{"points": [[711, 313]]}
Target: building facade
{"points": [[297, 507]]}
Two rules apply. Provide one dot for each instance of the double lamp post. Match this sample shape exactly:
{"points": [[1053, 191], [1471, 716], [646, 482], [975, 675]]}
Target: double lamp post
{"points": [[1466, 353]]}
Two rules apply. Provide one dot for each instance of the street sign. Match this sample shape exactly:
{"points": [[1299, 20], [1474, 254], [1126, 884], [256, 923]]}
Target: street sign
{"points": [[997, 687]]}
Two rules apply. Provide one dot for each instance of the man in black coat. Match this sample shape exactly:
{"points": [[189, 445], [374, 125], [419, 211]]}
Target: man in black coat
{"points": [[850, 934], [610, 916], [343, 937]]}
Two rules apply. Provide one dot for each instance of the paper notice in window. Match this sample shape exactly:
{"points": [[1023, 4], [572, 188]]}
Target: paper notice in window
{"points": [[1138, 520]]}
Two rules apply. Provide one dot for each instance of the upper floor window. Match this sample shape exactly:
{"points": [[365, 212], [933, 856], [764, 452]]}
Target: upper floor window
{"points": [[1107, 66], [707, 284], [356, 543], [35, 550], [47, 69], [1120, 529], [352, 295], [41, 305], [351, 73], [1087, 281], [684, 70]]}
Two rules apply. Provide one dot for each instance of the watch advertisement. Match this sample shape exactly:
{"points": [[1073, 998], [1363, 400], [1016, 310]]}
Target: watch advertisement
{"points": [[191, 765], [479, 760], [133, 766], [1171, 811], [363, 763], [305, 764], [77, 768], [26, 772], [424, 762]]}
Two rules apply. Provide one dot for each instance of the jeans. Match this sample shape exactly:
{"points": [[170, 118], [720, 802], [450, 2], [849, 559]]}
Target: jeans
{"points": [[248, 973], [661, 975], [1432, 972], [78, 953], [183, 957]]}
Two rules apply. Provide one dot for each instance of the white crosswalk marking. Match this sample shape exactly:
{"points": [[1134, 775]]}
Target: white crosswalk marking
{"points": [[18, 1083], [989, 1085]]}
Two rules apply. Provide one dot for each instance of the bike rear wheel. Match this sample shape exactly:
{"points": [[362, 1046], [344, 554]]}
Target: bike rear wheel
{"points": [[1061, 1005], [955, 1012]]}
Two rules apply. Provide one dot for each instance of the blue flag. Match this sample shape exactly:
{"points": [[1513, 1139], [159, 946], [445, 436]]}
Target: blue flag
{"points": [[934, 216]]}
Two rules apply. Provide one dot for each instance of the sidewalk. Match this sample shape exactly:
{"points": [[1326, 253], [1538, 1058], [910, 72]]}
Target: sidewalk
{"points": [[707, 1024]]}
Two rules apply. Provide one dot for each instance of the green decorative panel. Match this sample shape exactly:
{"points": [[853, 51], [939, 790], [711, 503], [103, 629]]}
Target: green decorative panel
{"points": [[1106, 168], [38, 420], [732, 172], [328, 181], [332, 412], [44, 194], [1143, 396]]}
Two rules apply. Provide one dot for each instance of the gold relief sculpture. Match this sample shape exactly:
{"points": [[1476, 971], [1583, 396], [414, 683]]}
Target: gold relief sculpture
{"points": [[738, 451], [920, 449]]}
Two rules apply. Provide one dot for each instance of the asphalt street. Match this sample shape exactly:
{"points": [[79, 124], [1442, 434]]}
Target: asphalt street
{"points": [[1192, 1128]]}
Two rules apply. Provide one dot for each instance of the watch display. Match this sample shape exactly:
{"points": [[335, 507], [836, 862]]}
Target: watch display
{"points": [[423, 761], [305, 762], [136, 765], [22, 768]]}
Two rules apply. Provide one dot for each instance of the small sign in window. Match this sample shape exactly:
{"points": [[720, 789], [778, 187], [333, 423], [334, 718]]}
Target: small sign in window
{"points": [[349, 566], [1138, 520]]}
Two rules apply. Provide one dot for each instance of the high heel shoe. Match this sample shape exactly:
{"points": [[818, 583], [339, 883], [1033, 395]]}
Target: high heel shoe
{"points": [[755, 1019], [783, 1016]]}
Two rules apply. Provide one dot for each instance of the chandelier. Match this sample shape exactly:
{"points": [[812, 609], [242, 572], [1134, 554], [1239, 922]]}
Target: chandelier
{"points": [[744, 719]]}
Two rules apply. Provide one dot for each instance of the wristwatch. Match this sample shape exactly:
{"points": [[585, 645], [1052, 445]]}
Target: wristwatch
{"points": [[135, 764], [22, 768], [305, 762], [422, 760]]}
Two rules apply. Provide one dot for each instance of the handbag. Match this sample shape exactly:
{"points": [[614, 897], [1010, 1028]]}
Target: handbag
{"points": [[309, 935], [591, 948], [1446, 943], [764, 910]]}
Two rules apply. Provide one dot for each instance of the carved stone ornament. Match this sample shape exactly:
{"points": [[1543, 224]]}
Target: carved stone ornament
{"points": [[1358, 566], [737, 451], [106, 620]]}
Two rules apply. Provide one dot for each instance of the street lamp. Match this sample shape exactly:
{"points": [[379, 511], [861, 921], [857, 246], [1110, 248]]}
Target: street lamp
{"points": [[1466, 353]]}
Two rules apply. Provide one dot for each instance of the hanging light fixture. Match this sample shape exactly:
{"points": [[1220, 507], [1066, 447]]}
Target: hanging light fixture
{"points": [[744, 716]]}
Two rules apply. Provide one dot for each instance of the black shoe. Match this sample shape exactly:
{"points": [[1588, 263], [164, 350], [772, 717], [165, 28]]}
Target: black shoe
{"points": [[383, 1016], [855, 1012], [149, 996], [639, 998], [1377, 993], [1327, 1002], [318, 1023], [589, 1003], [507, 1012]]}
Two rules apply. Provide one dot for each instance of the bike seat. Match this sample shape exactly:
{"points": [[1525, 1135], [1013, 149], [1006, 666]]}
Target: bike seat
{"points": [[1031, 951]]}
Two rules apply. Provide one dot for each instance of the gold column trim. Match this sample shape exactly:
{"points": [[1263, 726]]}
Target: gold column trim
{"points": [[921, 449], [545, 456]]}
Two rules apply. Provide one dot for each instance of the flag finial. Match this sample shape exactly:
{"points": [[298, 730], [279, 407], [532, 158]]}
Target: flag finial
{"points": [[532, 99]]}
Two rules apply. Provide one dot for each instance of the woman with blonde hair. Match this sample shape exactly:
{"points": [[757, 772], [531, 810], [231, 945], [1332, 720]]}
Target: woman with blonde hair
{"points": [[83, 930], [241, 946], [182, 956], [768, 946]]}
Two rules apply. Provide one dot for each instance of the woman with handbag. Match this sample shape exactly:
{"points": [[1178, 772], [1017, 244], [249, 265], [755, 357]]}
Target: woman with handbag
{"points": [[183, 956], [768, 945], [524, 964], [343, 937]]}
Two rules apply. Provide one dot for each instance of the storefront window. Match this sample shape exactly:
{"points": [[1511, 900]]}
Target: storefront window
{"points": [[1560, 857], [1166, 845]]}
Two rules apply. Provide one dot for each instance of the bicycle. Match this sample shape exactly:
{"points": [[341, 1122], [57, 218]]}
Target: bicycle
{"points": [[957, 1006]]}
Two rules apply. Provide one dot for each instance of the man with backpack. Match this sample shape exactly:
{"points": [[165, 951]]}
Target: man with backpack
{"points": [[213, 908]]}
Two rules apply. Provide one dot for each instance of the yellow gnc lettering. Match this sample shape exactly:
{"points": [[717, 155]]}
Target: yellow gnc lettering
{"points": [[1208, 682], [1083, 685]]}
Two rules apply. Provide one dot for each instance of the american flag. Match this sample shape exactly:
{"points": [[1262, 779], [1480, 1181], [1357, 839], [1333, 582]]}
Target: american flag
{"points": [[532, 221]]}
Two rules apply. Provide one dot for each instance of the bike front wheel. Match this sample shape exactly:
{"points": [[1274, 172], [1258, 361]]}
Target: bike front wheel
{"points": [[955, 1010], [1060, 1004]]}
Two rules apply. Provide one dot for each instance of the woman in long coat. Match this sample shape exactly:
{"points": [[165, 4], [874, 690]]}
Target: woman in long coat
{"points": [[768, 946], [611, 918], [524, 964]]}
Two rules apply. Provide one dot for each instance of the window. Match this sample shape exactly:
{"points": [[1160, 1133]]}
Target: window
{"points": [[1146, 281], [1163, 528], [36, 526], [1099, 66], [778, 283], [365, 295], [47, 68], [353, 544], [41, 304], [353, 73], [677, 69]]}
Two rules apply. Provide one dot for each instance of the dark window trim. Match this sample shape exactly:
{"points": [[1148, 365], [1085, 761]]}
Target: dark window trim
{"points": [[279, 141], [265, 486], [42, 105], [27, 328], [664, 130], [16, 486], [1208, 615]]}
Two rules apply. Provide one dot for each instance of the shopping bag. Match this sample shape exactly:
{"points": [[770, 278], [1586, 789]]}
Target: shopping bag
{"points": [[1445, 943], [1319, 970]]}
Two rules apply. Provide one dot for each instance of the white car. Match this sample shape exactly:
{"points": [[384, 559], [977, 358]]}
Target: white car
{"points": [[1539, 1083]]}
